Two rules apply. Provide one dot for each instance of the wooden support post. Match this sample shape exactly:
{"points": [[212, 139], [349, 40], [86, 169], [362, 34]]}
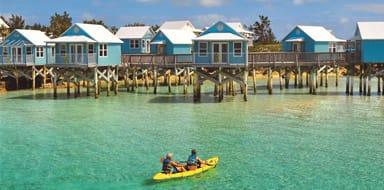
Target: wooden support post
{"points": [[310, 81], [382, 92], [300, 74], [169, 82], [361, 79], [352, 80], [155, 80], [185, 81], [88, 87], [296, 79], [280, 79], [146, 80], [96, 81], [221, 88], [44, 76], [108, 81], [126, 79], [365, 80], [136, 82], [378, 85], [337, 76], [216, 90], [322, 78], [314, 81], [234, 88], [245, 87], [287, 77], [75, 87], [68, 88], [307, 78], [54, 85], [196, 88], [33, 78], [17, 78], [347, 85], [116, 80], [270, 85], [254, 80], [369, 79], [326, 77], [228, 88]]}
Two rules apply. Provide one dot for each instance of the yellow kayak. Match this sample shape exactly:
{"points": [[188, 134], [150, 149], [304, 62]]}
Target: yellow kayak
{"points": [[212, 162]]}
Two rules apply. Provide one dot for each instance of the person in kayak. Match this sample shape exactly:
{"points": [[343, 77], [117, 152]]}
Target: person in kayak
{"points": [[170, 166], [194, 161]]}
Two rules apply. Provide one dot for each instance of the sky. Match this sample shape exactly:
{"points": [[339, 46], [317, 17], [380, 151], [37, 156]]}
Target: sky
{"points": [[338, 15]]}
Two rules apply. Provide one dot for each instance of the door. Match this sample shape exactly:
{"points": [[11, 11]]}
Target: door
{"points": [[296, 47], [76, 53], [16, 54], [220, 53], [148, 46]]}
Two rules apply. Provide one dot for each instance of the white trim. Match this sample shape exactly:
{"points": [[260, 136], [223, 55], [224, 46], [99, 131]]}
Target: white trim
{"points": [[220, 52], [241, 49], [37, 52], [103, 50], [206, 49], [134, 40]]}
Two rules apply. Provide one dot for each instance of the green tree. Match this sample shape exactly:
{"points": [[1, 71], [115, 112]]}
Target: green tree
{"points": [[263, 30], [94, 21], [155, 27], [135, 24], [38, 26], [16, 22], [60, 23], [113, 29]]}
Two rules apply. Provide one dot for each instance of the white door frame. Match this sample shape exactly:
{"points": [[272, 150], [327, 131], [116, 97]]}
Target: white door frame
{"points": [[76, 56], [217, 57]]}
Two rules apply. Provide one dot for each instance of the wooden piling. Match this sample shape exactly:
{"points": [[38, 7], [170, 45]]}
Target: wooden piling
{"points": [[321, 78], [234, 88], [96, 81], [169, 82], [326, 77], [245, 87], [108, 81], [33, 78], [254, 80], [280, 79], [369, 80], [68, 88], [88, 87], [361, 79], [196, 87], [307, 78], [314, 86], [295, 79], [337, 75], [269, 82], [287, 77], [155, 80], [185, 74], [347, 85], [300, 74], [228, 88], [75, 87], [44, 76], [55, 85], [352, 84]]}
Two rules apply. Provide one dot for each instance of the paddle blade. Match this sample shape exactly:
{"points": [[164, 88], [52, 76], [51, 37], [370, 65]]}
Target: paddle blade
{"points": [[162, 159]]}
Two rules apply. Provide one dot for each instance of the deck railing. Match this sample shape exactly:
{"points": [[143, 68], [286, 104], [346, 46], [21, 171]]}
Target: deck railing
{"points": [[156, 59], [290, 57], [72, 59], [219, 58], [16, 60]]}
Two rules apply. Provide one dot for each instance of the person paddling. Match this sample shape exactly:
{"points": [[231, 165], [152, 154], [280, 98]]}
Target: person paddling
{"points": [[194, 161], [170, 166]]}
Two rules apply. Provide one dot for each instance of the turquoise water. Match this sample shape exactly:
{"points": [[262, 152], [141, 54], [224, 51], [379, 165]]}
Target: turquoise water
{"points": [[290, 140]]}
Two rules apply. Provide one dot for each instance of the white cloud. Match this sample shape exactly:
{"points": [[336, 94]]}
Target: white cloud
{"points": [[370, 8], [344, 20], [300, 2], [201, 21], [202, 3], [88, 16]]}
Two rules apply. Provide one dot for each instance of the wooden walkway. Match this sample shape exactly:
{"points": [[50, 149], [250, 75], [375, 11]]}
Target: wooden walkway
{"points": [[181, 70]]}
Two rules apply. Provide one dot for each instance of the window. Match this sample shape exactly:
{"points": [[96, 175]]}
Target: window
{"points": [[5, 51], [203, 49], [332, 47], [52, 51], [103, 50], [91, 49], [63, 49], [143, 44], [28, 50], [134, 44], [237, 46], [39, 52]]}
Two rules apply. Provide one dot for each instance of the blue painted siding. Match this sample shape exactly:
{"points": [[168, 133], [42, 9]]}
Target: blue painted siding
{"points": [[321, 47], [220, 27], [113, 56], [170, 48], [307, 46], [372, 51]]}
